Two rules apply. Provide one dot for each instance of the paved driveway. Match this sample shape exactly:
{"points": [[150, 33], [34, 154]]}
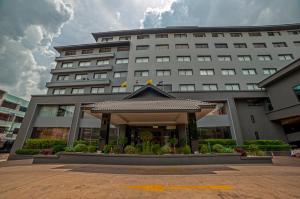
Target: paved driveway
{"points": [[20, 179]]}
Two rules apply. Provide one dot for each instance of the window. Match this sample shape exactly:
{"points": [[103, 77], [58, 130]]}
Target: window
{"points": [[207, 72], [293, 32], [142, 47], [185, 72], [77, 91], [59, 91], [285, 57], [201, 45], [244, 57], [264, 57], [232, 87], [180, 35], [122, 61], [104, 50], [97, 90], [56, 111], [181, 46], [236, 34], [141, 73], [259, 45], [143, 37], [210, 87], [228, 72], [254, 34], [62, 77], [221, 45], [187, 87], [81, 77], [274, 33], [162, 73], [217, 34], [250, 71], [224, 58], [124, 38], [165, 87], [137, 87], [106, 39], [269, 71], [297, 43], [184, 58], [297, 91], [163, 59], [87, 51], [252, 87], [199, 34], [67, 65], [142, 60], [162, 46], [71, 52], [240, 45], [122, 48], [100, 75], [23, 109], [84, 63], [161, 36], [103, 62], [118, 89], [120, 74], [279, 44], [205, 58]]}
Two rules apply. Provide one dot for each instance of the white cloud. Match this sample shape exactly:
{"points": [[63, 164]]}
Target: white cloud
{"points": [[27, 28]]}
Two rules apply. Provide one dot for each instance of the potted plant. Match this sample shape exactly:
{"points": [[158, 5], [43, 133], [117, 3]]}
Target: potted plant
{"points": [[173, 141]]}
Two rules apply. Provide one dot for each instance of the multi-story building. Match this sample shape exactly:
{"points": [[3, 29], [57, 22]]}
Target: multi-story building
{"points": [[12, 112], [159, 79]]}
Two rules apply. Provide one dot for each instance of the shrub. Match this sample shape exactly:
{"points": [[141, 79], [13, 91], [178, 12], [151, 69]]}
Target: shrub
{"points": [[228, 150], [92, 148], [43, 143], [86, 142], [186, 149], [223, 142], [165, 149], [138, 148], [58, 148], [146, 136], [69, 149], [46, 151], [27, 151], [241, 151], [254, 150], [182, 141], [81, 148], [117, 149], [173, 141], [218, 148], [204, 149], [264, 142], [282, 147], [107, 148], [129, 149], [155, 148]]}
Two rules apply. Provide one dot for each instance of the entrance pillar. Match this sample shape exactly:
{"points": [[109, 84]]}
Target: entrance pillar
{"points": [[104, 129]]}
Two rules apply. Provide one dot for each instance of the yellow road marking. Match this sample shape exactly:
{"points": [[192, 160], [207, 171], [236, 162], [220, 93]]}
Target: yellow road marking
{"points": [[160, 188]]}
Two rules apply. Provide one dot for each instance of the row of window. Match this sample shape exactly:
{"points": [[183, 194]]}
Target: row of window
{"points": [[91, 51], [96, 76], [182, 87], [200, 34]]}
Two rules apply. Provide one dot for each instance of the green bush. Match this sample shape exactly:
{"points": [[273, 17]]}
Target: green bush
{"points": [[138, 148], [27, 151], [129, 149], [117, 149], [204, 149], [165, 149], [218, 148], [43, 143], [228, 150], [69, 149], [58, 148], [264, 142], [254, 150], [155, 148], [86, 142], [146, 136], [186, 149], [81, 148], [92, 149], [107, 148], [282, 147], [223, 142]]}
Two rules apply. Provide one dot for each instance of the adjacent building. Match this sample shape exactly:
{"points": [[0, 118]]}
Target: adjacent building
{"points": [[162, 80]]}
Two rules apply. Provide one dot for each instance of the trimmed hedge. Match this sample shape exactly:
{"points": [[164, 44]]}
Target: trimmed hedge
{"points": [[86, 142], [264, 142], [282, 147], [27, 151], [81, 148], [223, 142], [42, 143]]}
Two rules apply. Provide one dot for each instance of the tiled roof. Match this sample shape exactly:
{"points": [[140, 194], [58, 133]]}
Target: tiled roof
{"points": [[147, 106]]}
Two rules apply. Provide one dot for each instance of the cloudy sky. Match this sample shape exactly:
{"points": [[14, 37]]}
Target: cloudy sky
{"points": [[30, 28]]}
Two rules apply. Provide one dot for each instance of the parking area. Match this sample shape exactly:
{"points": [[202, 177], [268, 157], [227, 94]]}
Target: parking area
{"points": [[21, 179]]}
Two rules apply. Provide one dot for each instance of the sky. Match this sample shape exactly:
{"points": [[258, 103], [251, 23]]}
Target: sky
{"points": [[30, 28]]}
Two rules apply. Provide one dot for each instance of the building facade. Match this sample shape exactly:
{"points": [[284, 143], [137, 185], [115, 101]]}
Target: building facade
{"points": [[12, 112], [221, 66]]}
